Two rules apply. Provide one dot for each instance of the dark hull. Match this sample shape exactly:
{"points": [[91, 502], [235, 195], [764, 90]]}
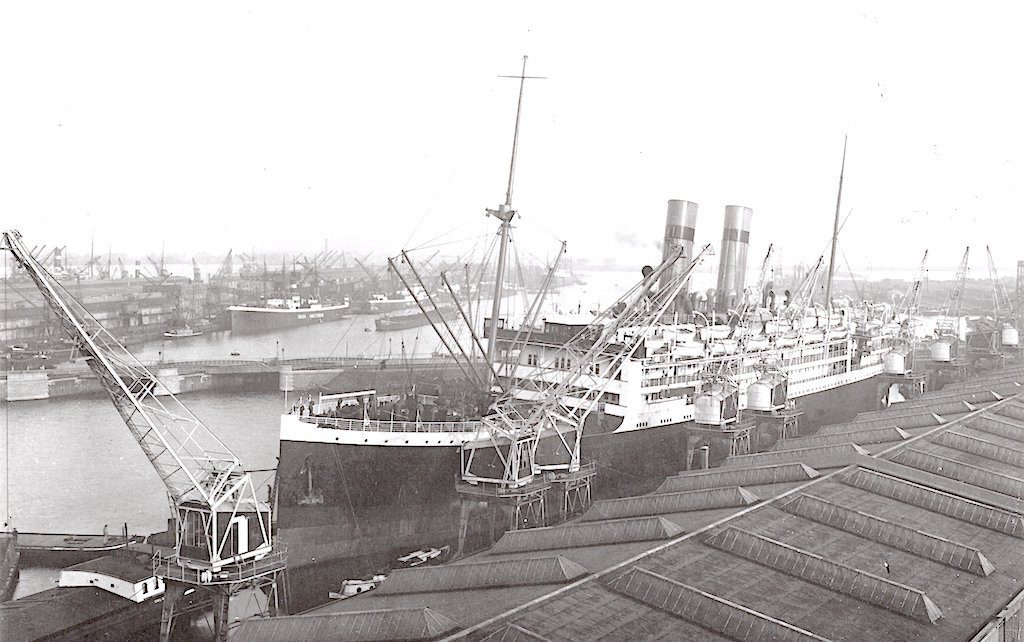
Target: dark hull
{"points": [[406, 321], [255, 320], [379, 502]]}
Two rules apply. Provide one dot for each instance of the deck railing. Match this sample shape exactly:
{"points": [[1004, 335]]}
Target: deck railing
{"points": [[169, 568], [384, 425]]}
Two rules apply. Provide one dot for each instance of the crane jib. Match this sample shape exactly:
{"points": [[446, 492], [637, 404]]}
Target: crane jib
{"points": [[219, 519]]}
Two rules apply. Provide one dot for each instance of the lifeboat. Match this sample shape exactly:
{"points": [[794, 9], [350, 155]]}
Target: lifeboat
{"points": [[814, 336], [757, 342]]}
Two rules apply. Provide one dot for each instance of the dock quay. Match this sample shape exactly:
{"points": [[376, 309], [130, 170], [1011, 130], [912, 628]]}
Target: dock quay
{"points": [[181, 377], [109, 597], [907, 522]]}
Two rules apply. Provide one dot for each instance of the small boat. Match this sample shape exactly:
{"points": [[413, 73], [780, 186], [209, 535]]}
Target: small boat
{"points": [[236, 354], [423, 556], [181, 333], [355, 587]]}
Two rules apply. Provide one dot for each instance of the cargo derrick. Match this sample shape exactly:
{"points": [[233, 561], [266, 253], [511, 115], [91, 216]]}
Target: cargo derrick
{"points": [[223, 538], [523, 448]]}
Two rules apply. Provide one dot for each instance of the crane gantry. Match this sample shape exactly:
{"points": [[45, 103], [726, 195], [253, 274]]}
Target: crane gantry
{"points": [[947, 328], [521, 439], [222, 529]]}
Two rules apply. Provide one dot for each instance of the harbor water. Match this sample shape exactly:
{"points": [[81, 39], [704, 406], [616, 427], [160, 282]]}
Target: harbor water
{"points": [[75, 468]]}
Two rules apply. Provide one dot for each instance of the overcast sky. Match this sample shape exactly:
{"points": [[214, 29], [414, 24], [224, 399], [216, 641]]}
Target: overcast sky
{"points": [[376, 125]]}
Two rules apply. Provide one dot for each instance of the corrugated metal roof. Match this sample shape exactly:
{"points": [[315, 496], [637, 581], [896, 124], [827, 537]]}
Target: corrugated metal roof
{"points": [[927, 545], [859, 437], [1002, 426], [1012, 410], [934, 518], [982, 447], [902, 599], [914, 407], [664, 503], [938, 501], [704, 609], [550, 569], [362, 626], [753, 476], [817, 456], [973, 475], [906, 422], [513, 633], [587, 534]]}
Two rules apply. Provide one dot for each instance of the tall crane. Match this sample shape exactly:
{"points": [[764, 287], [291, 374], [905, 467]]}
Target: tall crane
{"points": [[900, 360], [947, 327], [1002, 308], [521, 439], [222, 530]]}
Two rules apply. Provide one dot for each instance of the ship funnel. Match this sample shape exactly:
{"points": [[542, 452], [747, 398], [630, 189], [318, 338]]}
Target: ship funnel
{"points": [[732, 266], [680, 222]]}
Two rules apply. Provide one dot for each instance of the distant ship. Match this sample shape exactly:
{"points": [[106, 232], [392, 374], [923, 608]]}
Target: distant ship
{"points": [[413, 318], [284, 313], [181, 333], [390, 302]]}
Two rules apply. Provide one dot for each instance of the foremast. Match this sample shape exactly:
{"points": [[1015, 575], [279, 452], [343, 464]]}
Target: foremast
{"points": [[504, 213]]}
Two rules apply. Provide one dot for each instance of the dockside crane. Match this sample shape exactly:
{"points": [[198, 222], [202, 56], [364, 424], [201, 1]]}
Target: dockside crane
{"points": [[900, 360], [946, 347], [1002, 309], [223, 538], [525, 445]]}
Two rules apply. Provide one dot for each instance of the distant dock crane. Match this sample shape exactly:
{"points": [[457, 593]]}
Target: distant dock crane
{"points": [[223, 538]]}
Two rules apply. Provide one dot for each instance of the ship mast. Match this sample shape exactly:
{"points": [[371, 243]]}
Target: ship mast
{"points": [[505, 214], [835, 233]]}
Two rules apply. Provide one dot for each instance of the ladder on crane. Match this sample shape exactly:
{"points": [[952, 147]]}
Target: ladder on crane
{"points": [[223, 531]]}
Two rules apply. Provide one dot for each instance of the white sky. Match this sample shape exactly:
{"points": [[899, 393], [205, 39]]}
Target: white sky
{"points": [[211, 125]]}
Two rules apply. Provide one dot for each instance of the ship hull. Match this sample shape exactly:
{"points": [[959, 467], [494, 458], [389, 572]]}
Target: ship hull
{"points": [[246, 319], [406, 321], [375, 502]]}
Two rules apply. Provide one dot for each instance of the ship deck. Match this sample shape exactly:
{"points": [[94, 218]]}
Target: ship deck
{"points": [[901, 524]]}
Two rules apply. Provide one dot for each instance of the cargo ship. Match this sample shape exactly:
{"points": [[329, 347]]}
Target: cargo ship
{"points": [[413, 318], [284, 313], [391, 302]]}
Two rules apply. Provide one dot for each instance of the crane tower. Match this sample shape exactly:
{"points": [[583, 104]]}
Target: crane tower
{"points": [[223, 538]]}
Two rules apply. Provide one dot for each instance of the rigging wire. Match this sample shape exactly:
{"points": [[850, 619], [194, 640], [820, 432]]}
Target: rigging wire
{"points": [[430, 207], [7, 420]]}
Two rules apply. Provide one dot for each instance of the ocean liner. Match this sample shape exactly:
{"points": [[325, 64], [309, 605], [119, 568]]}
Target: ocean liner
{"points": [[357, 479], [350, 486]]}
